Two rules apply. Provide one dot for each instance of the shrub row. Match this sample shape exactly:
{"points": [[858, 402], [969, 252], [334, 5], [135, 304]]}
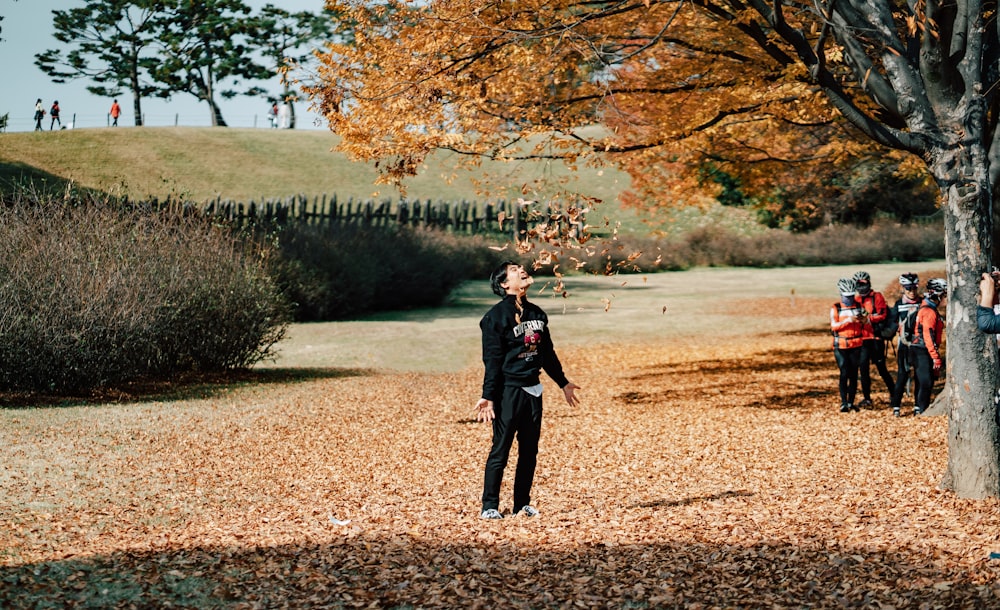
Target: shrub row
{"points": [[331, 273], [341, 272], [715, 246], [93, 295]]}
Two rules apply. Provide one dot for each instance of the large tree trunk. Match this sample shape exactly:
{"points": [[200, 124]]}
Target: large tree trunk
{"points": [[973, 374]]}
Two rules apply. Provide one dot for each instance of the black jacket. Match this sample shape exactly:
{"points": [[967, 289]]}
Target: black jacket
{"points": [[514, 353]]}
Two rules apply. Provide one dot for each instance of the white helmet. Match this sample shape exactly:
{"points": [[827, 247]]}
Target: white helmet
{"points": [[847, 286], [937, 287]]}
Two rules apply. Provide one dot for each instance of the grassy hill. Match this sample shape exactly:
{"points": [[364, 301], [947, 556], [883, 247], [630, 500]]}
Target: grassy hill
{"points": [[202, 163], [243, 164]]}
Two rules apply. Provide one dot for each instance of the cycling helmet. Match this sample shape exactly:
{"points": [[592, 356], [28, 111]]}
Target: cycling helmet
{"points": [[937, 287], [909, 281], [847, 287], [863, 281]]}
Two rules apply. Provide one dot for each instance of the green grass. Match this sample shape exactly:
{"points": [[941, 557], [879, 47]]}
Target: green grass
{"points": [[682, 307], [244, 164], [200, 164]]}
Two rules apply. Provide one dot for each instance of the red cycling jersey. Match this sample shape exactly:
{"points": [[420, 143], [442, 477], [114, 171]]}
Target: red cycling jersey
{"points": [[874, 304]]}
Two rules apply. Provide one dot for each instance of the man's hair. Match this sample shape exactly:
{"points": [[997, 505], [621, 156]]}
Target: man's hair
{"points": [[498, 277]]}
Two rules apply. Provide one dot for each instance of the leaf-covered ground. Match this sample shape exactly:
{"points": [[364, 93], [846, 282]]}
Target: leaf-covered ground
{"points": [[697, 474]]}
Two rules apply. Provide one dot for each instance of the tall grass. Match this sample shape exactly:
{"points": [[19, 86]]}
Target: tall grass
{"points": [[93, 295]]}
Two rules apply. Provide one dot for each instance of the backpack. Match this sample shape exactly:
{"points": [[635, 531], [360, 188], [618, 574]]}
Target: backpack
{"points": [[910, 326], [886, 329]]}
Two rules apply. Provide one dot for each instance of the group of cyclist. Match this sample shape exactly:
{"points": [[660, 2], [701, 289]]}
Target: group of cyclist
{"points": [[862, 323]]}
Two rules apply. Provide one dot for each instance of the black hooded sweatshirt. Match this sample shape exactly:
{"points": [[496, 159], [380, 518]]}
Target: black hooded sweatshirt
{"points": [[514, 352]]}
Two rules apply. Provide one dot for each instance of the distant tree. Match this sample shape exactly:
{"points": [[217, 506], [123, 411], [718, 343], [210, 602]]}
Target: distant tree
{"points": [[204, 44], [288, 40], [108, 42], [1, 27]]}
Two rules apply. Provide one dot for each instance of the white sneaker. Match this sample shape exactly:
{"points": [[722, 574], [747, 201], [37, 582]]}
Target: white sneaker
{"points": [[528, 511], [491, 513]]}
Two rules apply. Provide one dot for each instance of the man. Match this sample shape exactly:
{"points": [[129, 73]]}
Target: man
{"points": [[929, 330], [873, 346], [909, 301], [516, 347]]}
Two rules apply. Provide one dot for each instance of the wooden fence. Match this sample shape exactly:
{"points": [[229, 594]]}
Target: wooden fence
{"points": [[499, 217]]}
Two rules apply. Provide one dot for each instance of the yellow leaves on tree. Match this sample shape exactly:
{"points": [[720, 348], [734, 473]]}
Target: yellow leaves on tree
{"points": [[672, 87]]}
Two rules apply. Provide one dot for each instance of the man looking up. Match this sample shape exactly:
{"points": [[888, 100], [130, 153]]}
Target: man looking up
{"points": [[516, 347]]}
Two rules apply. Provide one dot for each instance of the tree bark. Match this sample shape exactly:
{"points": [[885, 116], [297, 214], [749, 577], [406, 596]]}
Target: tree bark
{"points": [[971, 404]]}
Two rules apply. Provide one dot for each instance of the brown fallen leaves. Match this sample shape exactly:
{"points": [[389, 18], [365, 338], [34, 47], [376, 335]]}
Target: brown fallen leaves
{"points": [[716, 474]]}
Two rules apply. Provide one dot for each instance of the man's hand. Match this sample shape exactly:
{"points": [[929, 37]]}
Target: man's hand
{"points": [[987, 290], [484, 410], [937, 366], [568, 392]]}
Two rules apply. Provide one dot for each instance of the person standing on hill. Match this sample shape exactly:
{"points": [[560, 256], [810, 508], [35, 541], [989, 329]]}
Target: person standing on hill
{"points": [[39, 114], [54, 113], [516, 347], [873, 348], [115, 112], [927, 337], [908, 302], [846, 319]]}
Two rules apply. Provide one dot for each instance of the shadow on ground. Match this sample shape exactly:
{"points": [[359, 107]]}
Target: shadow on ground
{"points": [[404, 572], [186, 387]]}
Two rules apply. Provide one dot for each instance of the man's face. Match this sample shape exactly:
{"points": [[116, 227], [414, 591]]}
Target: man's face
{"points": [[864, 288], [911, 291], [518, 280]]}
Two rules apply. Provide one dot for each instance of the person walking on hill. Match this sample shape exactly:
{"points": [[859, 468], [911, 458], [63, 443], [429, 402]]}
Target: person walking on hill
{"points": [[39, 114], [873, 348], [516, 347], [115, 112], [907, 303], [924, 349], [54, 113], [846, 320]]}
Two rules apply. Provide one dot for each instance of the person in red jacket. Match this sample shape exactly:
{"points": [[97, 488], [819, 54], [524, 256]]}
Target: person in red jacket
{"points": [[924, 352], [115, 112], [873, 348], [846, 320]]}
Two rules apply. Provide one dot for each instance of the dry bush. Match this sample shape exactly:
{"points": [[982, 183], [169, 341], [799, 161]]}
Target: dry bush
{"points": [[332, 273], [93, 294]]}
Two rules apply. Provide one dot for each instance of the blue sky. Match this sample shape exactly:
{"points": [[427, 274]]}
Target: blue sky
{"points": [[27, 30]]}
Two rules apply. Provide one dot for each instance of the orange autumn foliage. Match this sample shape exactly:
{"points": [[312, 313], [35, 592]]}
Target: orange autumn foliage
{"points": [[658, 88]]}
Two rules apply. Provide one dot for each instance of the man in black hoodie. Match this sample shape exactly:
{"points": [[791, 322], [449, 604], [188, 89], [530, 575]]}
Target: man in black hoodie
{"points": [[516, 347]]}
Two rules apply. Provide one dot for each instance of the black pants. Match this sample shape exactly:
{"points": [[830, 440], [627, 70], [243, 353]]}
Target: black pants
{"points": [[903, 369], [873, 351], [923, 375], [518, 414], [848, 361]]}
